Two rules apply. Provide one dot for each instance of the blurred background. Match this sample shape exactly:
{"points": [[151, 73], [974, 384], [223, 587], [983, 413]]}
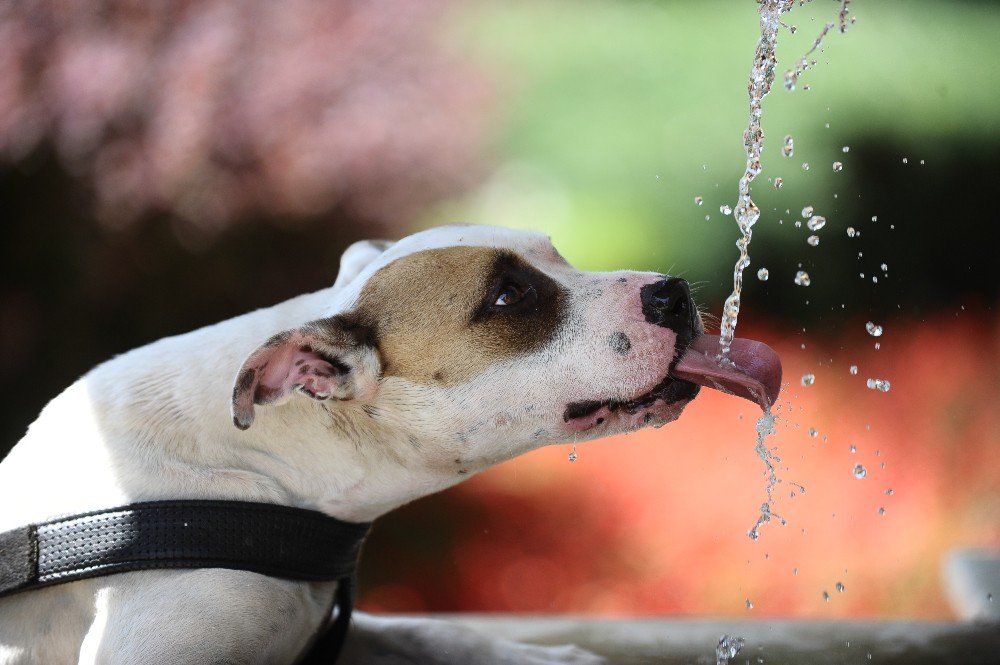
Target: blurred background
{"points": [[166, 165]]}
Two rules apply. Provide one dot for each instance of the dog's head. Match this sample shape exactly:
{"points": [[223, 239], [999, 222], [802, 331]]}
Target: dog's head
{"points": [[476, 344]]}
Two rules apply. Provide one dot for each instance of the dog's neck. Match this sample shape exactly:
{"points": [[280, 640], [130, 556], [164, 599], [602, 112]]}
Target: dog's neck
{"points": [[155, 424]]}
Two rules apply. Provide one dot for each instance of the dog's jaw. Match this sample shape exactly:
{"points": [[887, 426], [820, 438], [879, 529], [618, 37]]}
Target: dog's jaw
{"points": [[662, 404]]}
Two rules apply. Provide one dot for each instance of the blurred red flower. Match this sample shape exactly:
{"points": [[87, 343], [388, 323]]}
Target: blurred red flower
{"points": [[656, 522]]}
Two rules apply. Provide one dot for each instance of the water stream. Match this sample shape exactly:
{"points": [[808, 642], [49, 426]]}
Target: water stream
{"points": [[747, 213]]}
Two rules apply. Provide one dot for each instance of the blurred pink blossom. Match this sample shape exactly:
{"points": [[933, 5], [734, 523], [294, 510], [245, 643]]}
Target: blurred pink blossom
{"points": [[214, 110]]}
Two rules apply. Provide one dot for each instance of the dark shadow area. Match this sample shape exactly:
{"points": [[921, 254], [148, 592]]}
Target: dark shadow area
{"points": [[934, 233], [75, 294]]}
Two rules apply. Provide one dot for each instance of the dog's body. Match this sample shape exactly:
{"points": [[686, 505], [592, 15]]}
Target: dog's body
{"points": [[427, 361]]}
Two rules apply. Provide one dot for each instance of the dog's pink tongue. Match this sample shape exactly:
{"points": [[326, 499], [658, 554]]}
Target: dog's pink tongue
{"points": [[755, 372]]}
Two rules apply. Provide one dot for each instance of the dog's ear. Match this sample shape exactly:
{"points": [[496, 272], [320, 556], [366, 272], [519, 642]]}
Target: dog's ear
{"points": [[356, 257], [326, 359]]}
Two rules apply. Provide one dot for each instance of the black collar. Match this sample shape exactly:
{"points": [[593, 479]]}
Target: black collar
{"points": [[278, 541]]}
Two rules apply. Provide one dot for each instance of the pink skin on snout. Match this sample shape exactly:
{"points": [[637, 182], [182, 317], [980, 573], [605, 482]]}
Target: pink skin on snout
{"points": [[643, 368]]}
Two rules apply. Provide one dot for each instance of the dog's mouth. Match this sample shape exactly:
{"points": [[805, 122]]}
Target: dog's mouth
{"points": [[655, 407], [753, 372]]}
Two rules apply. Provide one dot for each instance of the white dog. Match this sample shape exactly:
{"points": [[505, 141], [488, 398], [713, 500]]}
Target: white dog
{"points": [[429, 360]]}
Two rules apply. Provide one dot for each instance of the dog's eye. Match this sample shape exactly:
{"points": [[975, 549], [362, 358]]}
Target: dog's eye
{"points": [[511, 294]]}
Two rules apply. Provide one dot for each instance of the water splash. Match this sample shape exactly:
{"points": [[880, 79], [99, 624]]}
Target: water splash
{"points": [[747, 213], [727, 649], [804, 63], [765, 428]]}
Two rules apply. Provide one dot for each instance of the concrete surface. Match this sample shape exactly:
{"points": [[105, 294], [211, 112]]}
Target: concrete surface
{"points": [[693, 641]]}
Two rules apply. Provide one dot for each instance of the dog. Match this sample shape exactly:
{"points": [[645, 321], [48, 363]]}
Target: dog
{"points": [[429, 359]]}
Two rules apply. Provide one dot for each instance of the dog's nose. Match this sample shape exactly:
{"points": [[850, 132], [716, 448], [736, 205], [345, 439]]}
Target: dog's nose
{"points": [[668, 303]]}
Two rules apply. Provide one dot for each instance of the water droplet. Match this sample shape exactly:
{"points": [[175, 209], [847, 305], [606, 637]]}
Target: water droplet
{"points": [[989, 597], [851, 232], [573, 455], [840, 587], [813, 432], [879, 384], [778, 183], [816, 222], [874, 218], [808, 379], [860, 471], [889, 492], [826, 596], [763, 274], [725, 210], [798, 224], [884, 266], [813, 240], [837, 167], [846, 148], [795, 571], [874, 279], [906, 160], [873, 329], [854, 370], [802, 278], [807, 211], [749, 604], [698, 200], [853, 448], [805, 166], [789, 148], [877, 346], [881, 511]]}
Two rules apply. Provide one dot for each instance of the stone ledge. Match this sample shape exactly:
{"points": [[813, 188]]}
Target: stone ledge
{"points": [[776, 642]]}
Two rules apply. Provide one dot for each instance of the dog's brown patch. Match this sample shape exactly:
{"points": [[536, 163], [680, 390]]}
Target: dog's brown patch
{"points": [[431, 313]]}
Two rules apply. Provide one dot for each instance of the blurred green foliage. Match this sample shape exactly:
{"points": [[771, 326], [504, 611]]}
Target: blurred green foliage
{"points": [[621, 113]]}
